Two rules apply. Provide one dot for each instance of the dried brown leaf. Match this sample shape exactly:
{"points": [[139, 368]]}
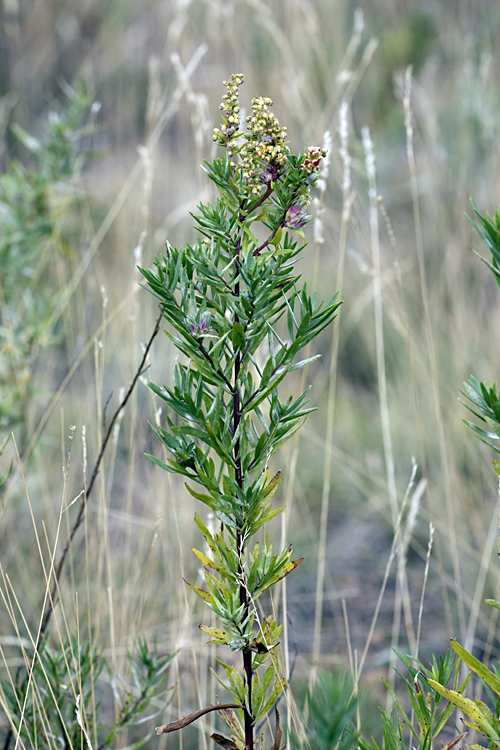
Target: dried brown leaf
{"points": [[186, 720], [455, 742], [224, 742], [278, 734]]}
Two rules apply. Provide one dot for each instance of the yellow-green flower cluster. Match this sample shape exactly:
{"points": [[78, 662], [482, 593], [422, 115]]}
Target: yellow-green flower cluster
{"points": [[227, 133], [264, 153], [262, 150]]}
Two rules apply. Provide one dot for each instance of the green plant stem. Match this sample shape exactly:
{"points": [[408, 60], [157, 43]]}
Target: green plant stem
{"points": [[247, 666], [240, 541], [247, 654]]}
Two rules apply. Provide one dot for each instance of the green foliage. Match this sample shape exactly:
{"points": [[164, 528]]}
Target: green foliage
{"points": [[480, 716], [73, 675], [486, 407], [489, 230], [485, 400], [35, 197], [330, 707], [429, 713], [236, 312]]}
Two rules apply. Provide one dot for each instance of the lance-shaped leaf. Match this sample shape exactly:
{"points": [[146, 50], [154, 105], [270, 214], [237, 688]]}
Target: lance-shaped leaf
{"points": [[270, 489], [259, 691], [278, 688], [281, 573], [477, 666], [207, 499], [205, 595], [469, 707], [205, 533], [267, 515], [217, 635], [238, 336], [221, 507], [206, 560]]}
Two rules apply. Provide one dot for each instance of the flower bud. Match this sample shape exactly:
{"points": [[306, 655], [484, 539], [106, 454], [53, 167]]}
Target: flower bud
{"points": [[295, 218]]}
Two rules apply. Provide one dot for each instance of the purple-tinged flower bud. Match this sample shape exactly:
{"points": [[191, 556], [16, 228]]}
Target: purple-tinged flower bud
{"points": [[205, 321], [199, 328], [295, 218], [192, 326]]}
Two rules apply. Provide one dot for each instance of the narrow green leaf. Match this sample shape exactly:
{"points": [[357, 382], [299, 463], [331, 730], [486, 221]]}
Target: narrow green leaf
{"points": [[207, 499], [238, 336]]}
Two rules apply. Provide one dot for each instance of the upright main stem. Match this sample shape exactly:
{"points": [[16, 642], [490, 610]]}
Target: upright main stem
{"points": [[240, 542]]}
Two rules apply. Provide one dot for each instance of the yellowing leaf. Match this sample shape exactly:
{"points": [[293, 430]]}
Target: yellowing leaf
{"points": [[284, 571], [219, 636], [206, 560], [465, 704], [271, 488], [477, 666], [205, 595]]}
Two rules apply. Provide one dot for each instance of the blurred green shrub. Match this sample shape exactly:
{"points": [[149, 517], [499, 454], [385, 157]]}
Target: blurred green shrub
{"points": [[35, 198], [330, 706]]}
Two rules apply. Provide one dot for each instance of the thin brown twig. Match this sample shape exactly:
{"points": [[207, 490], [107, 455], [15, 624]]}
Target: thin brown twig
{"points": [[85, 496]]}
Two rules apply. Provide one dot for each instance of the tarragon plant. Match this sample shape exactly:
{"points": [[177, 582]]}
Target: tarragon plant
{"points": [[235, 311]]}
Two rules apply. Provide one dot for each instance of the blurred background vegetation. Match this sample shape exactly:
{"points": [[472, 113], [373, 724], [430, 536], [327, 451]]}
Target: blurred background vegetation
{"points": [[106, 114]]}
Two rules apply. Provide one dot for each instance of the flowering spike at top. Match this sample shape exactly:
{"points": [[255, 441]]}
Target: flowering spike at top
{"points": [[226, 134], [263, 152], [265, 146]]}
